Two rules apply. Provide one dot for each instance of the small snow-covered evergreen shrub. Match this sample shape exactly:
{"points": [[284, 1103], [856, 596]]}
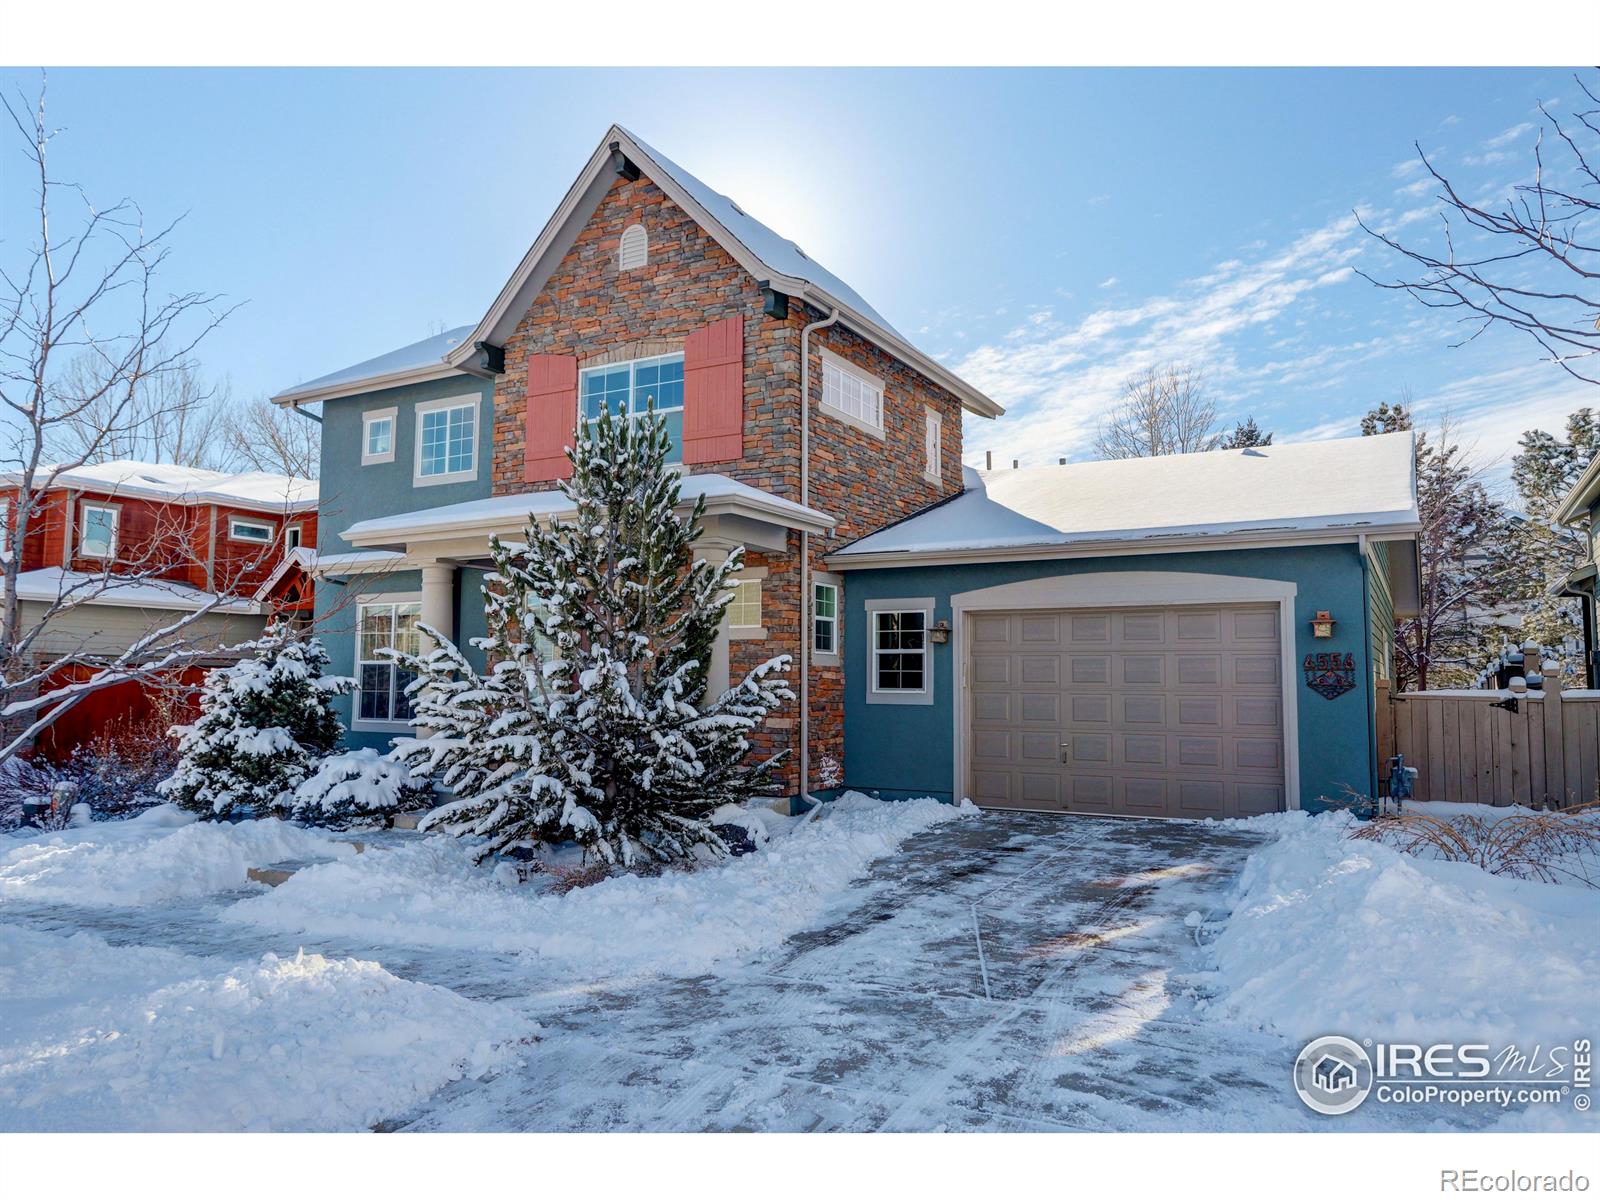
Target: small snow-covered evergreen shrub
{"points": [[263, 723], [593, 724], [357, 787]]}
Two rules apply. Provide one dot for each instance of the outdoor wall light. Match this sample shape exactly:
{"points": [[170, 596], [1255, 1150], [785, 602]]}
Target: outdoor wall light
{"points": [[1322, 624], [940, 633]]}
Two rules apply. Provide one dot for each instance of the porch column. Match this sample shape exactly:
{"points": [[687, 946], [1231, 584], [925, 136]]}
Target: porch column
{"points": [[717, 670], [439, 598]]}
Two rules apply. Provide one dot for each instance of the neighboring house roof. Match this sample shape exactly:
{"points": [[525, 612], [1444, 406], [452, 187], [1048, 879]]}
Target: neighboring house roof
{"points": [[721, 493], [301, 558], [182, 485], [1575, 507], [409, 364], [1263, 494], [50, 584], [770, 258]]}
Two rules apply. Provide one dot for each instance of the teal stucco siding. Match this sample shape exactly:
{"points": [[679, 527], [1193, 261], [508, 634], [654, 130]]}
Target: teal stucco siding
{"points": [[909, 750]]}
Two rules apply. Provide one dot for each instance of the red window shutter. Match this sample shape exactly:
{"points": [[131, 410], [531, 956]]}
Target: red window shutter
{"points": [[552, 418], [713, 393]]}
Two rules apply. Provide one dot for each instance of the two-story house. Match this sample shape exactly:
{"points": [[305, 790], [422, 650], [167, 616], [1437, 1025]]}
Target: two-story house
{"points": [[829, 447], [115, 551]]}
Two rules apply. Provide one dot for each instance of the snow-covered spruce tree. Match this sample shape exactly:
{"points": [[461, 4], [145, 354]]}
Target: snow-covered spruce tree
{"points": [[263, 724], [593, 724]]}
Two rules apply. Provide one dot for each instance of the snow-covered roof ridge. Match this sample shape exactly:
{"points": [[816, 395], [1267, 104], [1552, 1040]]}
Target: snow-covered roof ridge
{"points": [[1357, 484], [260, 490], [514, 508], [426, 355]]}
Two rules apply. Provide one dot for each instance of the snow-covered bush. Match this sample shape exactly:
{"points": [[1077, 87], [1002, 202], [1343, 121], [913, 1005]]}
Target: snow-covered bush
{"points": [[263, 723], [593, 724], [356, 787]]}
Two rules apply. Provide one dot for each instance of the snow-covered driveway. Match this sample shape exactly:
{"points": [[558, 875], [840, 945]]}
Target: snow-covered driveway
{"points": [[996, 971]]}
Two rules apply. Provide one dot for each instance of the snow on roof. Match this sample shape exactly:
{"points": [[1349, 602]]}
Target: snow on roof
{"points": [[777, 251], [429, 352], [49, 584], [191, 485], [1349, 482], [517, 507]]}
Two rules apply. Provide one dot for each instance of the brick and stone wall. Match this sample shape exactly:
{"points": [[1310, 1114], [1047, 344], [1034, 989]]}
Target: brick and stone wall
{"points": [[590, 309]]}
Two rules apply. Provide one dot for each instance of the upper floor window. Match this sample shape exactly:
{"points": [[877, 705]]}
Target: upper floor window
{"points": [[744, 612], [99, 531], [629, 389], [244, 529], [932, 446], [293, 537], [851, 394], [377, 436], [447, 441], [635, 249]]}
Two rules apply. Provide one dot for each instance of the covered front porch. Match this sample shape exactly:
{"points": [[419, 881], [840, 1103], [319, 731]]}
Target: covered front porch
{"points": [[427, 567]]}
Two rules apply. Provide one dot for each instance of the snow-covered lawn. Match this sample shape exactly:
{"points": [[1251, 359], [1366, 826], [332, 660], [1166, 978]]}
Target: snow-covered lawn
{"points": [[115, 1034], [889, 966], [1330, 935]]}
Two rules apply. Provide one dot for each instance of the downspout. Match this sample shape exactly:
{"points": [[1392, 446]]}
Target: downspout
{"points": [[300, 412], [805, 551], [1372, 696]]}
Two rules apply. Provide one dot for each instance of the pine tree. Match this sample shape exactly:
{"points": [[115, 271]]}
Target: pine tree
{"points": [[263, 724], [1245, 435], [1543, 472], [593, 724]]}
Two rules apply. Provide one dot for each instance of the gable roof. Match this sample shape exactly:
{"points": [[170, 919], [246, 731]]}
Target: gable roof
{"points": [[409, 364], [258, 490], [1575, 505], [774, 260], [1313, 490]]}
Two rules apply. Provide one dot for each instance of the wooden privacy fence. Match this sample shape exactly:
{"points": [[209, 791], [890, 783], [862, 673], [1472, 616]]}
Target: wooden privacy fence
{"points": [[1468, 751]]}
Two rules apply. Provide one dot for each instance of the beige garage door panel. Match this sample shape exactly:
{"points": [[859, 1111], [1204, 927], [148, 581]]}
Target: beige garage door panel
{"points": [[1151, 712]]}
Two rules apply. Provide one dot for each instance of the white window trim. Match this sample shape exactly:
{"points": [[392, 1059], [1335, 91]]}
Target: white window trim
{"points": [[357, 722], [933, 464], [475, 402], [84, 508], [741, 633], [834, 657], [299, 532], [922, 604], [392, 415], [839, 414], [270, 526]]}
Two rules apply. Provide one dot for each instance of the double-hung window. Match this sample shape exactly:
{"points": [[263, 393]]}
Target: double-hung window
{"points": [[98, 531], [381, 692], [901, 665], [447, 441], [630, 389], [377, 436], [744, 610], [851, 395], [825, 618], [244, 529]]}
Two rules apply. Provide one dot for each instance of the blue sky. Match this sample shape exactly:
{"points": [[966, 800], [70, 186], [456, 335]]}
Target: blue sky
{"points": [[1044, 233]]}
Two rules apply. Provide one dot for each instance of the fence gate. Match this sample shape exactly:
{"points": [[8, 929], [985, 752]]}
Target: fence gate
{"points": [[1469, 751]]}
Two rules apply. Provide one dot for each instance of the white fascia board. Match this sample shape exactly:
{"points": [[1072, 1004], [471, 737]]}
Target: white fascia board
{"points": [[1576, 504], [373, 383], [1120, 547]]}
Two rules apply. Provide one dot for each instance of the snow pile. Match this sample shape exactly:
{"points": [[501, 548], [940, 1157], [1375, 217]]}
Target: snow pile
{"points": [[1329, 935], [162, 854], [163, 1041], [354, 787], [429, 894]]}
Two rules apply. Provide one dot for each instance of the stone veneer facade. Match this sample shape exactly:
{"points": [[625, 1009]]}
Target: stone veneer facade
{"points": [[589, 309]]}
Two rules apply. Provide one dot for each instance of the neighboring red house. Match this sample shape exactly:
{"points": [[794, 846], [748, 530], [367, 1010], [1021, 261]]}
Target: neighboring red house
{"points": [[121, 549]]}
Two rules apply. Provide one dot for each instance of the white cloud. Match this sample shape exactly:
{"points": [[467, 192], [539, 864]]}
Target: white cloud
{"points": [[1405, 168], [1452, 119], [1110, 281], [1510, 135]]}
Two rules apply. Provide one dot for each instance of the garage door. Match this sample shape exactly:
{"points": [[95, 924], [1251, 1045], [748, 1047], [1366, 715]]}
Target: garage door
{"points": [[1160, 712]]}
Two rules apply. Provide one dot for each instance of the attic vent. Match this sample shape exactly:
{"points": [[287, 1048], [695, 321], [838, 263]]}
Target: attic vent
{"points": [[635, 251]]}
